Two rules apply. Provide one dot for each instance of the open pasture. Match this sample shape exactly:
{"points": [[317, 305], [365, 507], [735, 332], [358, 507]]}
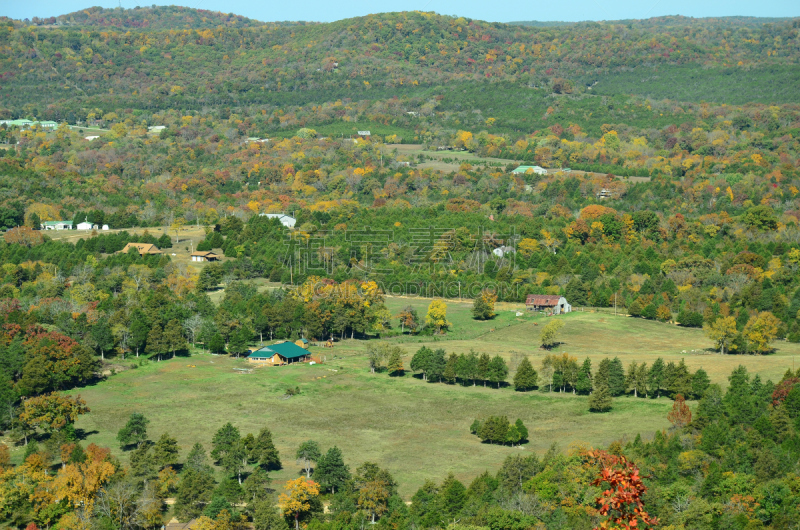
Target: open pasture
{"points": [[415, 429]]}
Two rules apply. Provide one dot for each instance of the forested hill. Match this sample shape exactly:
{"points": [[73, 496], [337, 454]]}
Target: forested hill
{"points": [[152, 18], [240, 64]]}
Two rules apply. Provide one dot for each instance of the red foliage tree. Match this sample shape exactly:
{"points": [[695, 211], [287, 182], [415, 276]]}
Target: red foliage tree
{"points": [[782, 390]]}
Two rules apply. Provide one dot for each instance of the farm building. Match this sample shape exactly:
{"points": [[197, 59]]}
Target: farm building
{"points": [[85, 226], [204, 256], [143, 248], [542, 302], [278, 354], [303, 343], [521, 170], [286, 220], [57, 225], [503, 251]]}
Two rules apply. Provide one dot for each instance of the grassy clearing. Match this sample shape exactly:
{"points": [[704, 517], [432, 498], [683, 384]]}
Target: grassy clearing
{"points": [[415, 429], [593, 335]]}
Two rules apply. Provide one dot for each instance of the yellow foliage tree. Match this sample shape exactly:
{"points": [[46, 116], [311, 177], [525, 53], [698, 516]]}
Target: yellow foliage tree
{"points": [[297, 499], [437, 315], [760, 331]]}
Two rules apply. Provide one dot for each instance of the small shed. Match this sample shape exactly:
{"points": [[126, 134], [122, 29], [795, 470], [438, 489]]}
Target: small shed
{"points": [[303, 343], [542, 302], [204, 256], [279, 354]]}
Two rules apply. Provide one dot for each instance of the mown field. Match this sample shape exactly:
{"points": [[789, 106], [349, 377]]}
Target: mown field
{"points": [[415, 429]]}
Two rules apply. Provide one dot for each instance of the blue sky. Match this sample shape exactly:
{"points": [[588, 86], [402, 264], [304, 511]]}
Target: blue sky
{"points": [[327, 10]]}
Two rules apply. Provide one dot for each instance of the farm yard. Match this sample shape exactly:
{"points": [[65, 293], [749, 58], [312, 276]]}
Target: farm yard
{"points": [[417, 430]]}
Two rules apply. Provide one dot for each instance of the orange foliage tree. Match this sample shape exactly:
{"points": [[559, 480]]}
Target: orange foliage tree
{"points": [[680, 416], [621, 502]]}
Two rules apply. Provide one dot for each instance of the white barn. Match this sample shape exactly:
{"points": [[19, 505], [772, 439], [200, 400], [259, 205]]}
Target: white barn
{"points": [[286, 220]]}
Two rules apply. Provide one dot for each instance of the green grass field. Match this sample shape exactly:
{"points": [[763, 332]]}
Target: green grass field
{"points": [[415, 429]]}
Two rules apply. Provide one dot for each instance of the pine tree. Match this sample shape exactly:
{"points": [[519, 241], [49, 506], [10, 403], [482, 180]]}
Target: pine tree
{"points": [[173, 337], [450, 369], [600, 400], [655, 378], [640, 383], [526, 377], [437, 365], [498, 370], [217, 343], [264, 452], [135, 431], [165, 452], [155, 341], [616, 378], [483, 367], [523, 431], [331, 472], [700, 383], [583, 385]]}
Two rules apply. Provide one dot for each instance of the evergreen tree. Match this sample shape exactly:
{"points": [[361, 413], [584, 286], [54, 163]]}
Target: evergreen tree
{"points": [[266, 517], [217, 343], [583, 385], [197, 459], [450, 369], [437, 365], [523, 431], [498, 370], [494, 430], [700, 383], [616, 377], [165, 451], [739, 399], [452, 497], [600, 400], [681, 380], [173, 336], [135, 431], [642, 374], [483, 367], [263, 451], [331, 472], [655, 378], [229, 450], [194, 492], [526, 377], [155, 341]]}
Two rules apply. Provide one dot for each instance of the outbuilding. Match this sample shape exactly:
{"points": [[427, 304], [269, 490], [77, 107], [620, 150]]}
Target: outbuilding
{"points": [[286, 220], [143, 248], [543, 302], [204, 256]]}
